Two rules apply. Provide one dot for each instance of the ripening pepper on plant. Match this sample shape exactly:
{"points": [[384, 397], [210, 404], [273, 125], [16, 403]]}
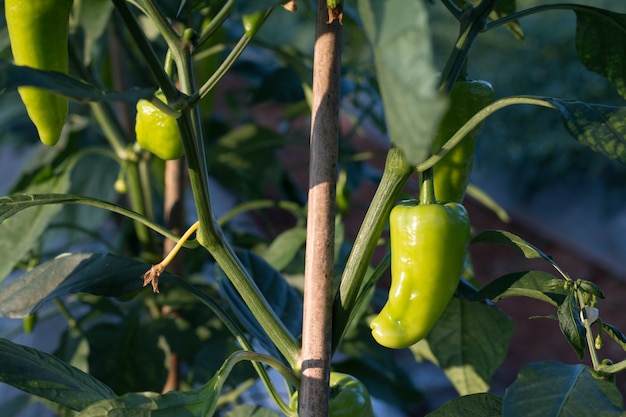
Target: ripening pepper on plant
{"points": [[428, 246], [452, 172], [38, 33], [157, 131]]}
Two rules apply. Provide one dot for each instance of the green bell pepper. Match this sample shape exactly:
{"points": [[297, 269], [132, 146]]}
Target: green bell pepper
{"points": [[428, 246]]}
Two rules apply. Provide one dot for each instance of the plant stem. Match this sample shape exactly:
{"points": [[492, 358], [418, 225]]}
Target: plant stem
{"points": [[543, 8], [588, 334], [473, 22], [314, 395], [210, 234], [216, 23], [427, 188], [40, 199], [245, 344], [476, 120], [220, 71], [155, 66], [397, 171]]}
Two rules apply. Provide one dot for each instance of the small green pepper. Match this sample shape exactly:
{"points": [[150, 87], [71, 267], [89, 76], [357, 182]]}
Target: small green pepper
{"points": [[428, 246], [38, 33], [348, 397], [452, 172], [157, 131]]}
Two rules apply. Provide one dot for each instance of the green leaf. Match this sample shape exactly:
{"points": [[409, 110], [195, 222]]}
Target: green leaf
{"points": [[399, 34], [502, 237], [570, 323], [591, 288], [44, 375], [473, 405], [93, 175], [93, 17], [284, 300], [469, 342], [533, 284], [98, 274], [558, 390], [21, 233], [600, 43], [13, 76], [602, 128], [139, 365], [285, 247], [615, 334], [247, 410], [197, 402]]}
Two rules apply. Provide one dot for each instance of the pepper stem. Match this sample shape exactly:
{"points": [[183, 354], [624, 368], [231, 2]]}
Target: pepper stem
{"points": [[427, 188]]}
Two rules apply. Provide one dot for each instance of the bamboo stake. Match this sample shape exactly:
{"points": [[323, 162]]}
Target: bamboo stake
{"points": [[318, 277]]}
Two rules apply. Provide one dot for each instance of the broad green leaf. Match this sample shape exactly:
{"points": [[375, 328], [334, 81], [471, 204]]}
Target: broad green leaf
{"points": [[534, 284], [248, 410], [570, 323], [602, 128], [285, 247], [46, 376], [473, 405], [399, 35], [469, 342], [13, 76], [600, 43], [21, 233], [558, 390], [98, 274], [284, 300], [502, 237]]}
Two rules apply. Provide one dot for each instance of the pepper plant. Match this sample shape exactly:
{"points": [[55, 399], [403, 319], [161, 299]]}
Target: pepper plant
{"points": [[178, 310]]}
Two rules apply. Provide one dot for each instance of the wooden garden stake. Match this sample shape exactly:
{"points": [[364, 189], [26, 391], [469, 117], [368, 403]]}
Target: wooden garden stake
{"points": [[318, 276]]}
